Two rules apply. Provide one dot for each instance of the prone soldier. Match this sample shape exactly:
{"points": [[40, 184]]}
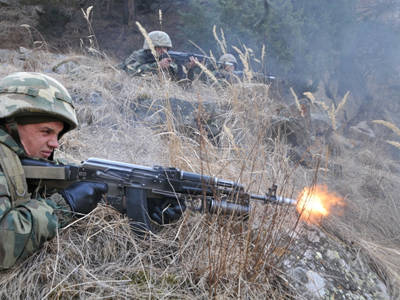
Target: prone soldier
{"points": [[227, 63], [226, 66], [142, 61], [35, 112]]}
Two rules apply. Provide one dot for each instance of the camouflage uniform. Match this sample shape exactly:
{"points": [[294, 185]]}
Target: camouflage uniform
{"points": [[25, 227], [223, 76], [221, 73], [29, 221], [142, 61]]}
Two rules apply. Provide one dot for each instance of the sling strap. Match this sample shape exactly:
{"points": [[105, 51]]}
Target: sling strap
{"points": [[14, 174]]}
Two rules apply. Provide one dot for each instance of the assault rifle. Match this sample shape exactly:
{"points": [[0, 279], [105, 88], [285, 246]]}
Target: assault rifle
{"points": [[130, 187], [181, 58], [256, 76]]}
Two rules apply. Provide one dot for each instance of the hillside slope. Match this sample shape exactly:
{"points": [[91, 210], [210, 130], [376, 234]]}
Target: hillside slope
{"points": [[254, 133], [201, 256]]}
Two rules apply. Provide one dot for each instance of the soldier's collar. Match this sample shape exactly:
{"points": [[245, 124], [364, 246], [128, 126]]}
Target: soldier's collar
{"points": [[8, 140]]}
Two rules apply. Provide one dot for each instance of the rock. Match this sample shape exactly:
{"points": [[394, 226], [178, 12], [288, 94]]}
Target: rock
{"points": [[362, 131], [24, 53], [183, 114], [334, 274], [292, 130], [320, 123], [315, 284], [66, 66], [300, 275], [332, 254], [95, 98]]}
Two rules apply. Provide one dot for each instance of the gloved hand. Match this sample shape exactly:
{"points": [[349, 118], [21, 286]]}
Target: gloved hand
{"points": [[166, 210], [83, 196]]}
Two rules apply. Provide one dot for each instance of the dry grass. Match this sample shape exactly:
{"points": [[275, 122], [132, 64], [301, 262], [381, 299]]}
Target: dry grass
{"points": [[202, 256], [332, 110], [371, 218], [392, 127]]}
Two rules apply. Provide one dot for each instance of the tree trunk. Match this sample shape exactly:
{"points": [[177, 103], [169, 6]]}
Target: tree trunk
{"points": [[131, 12]]}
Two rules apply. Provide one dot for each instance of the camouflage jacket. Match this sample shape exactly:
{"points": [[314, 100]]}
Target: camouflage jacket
{"points": [[25, 227], [142, 62]]}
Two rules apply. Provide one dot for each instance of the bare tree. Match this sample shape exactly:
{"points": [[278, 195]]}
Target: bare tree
{"points": [[131, 12]]}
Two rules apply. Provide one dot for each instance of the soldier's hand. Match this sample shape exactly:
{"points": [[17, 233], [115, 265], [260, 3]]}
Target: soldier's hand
{"points": [[191, 63], [165, 62], [83, 196], [165, 211]]}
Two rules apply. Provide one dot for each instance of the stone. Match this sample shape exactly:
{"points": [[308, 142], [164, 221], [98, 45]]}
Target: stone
{"points": [[362, 131], [65, 67], [315, 284]]}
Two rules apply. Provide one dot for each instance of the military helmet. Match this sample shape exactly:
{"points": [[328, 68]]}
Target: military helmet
{"points": [[35, 95], [159, 39], [227, 59]]}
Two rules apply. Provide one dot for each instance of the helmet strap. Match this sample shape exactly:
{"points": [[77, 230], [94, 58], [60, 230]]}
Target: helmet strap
{"points": [[13, 130]]}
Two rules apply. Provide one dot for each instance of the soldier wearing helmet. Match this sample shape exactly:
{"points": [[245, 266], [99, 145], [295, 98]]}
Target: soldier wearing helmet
{"points": [[226, 69], [227, 62], [35, 111], [227, 73], [142, 61]]}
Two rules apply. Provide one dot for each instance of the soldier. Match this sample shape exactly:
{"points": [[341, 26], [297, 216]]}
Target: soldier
{"points": [[227, 63], [225, 71], [35, 112], [142, 61]]}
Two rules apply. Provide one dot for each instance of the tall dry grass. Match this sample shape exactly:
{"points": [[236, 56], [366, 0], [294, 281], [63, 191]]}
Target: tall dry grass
{"points": [[368, 179], [202, 256]]}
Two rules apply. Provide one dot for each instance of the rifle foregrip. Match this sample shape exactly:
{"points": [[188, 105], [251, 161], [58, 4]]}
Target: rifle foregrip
{"points": [[228, 208]]}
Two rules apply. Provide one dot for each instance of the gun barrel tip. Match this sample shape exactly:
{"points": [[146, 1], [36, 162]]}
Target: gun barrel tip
{"points": [[289, 201]]}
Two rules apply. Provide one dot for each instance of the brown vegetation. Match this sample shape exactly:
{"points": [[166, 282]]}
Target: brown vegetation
{"points": [[201, 256]]}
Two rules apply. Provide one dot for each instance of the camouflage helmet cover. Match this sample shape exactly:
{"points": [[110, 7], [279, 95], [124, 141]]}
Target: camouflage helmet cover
{"points": [[227, 58], [29, 94], [159, 39]]}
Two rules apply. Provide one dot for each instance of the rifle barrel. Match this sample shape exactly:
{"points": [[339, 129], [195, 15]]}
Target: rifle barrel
{"points": [[275, 199]]}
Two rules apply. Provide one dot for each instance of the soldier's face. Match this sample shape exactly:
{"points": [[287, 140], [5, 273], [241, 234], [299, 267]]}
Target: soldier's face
{"points": [[40, 139], [161, 50], [229, 68]]}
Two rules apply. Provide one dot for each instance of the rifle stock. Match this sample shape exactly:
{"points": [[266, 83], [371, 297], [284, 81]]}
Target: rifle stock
{"points": [[130, 186]]}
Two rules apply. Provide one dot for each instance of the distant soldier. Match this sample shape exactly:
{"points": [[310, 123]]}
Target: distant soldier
{"points": [[35, 112], [227, 63], [226, 68], [227, 72], [142, 61]]}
